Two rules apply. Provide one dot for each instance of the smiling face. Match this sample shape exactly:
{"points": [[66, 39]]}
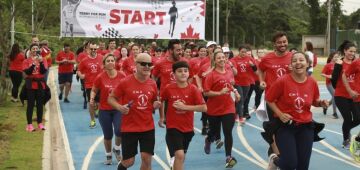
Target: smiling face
{"points": [[281, 44], [182, 74], [220, 60], [299, 64], [350, 53]]}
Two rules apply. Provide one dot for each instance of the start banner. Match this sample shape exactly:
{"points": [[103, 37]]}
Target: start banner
{"points": [[144, 19]]}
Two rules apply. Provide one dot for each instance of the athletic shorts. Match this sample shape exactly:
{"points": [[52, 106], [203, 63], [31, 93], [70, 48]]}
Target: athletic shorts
{"points": [[130, 140], [65, 78], [177, 140], [97, 97]]}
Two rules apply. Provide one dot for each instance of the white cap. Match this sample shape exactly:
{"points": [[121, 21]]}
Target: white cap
{"points": [[226, 49], [209, 43]]}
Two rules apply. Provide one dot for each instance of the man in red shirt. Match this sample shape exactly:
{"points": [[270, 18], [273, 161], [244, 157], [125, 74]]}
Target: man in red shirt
{"points": [[46, 54], [183, 99], [273, 66], [102, 48], [136, 98], [85, 52], [66, 61], [89, 68]]}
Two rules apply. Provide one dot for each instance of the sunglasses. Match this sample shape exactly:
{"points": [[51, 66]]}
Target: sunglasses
{"points": [[93, 49], [145, 64]]}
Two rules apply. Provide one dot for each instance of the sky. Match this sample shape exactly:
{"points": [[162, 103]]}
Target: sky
{"points": [[349, 6]]}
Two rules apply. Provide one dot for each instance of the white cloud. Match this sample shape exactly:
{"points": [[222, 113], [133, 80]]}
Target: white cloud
{"points": [[348, 6]]}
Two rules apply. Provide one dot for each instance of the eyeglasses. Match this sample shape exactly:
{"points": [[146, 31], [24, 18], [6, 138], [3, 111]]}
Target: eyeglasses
{"points": [[145, 64], [93, 49]]}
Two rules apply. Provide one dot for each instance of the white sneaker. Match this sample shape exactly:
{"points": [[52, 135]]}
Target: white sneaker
{"points": [[171, 163], [272, 165]]}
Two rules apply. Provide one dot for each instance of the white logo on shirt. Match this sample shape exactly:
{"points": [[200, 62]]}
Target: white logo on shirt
{"points": [[242, 67], [299, 104], [93, 68], [142, 100], [280, 72]]}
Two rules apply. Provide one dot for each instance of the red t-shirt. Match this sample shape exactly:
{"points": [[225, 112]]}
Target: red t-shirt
{"points": [[205, 60], [244, 70], [106, 84], [354, 70], [102, 52], [46, 54], [81, 56], [327, 70], [116, 53], [65, 67], [274, 67], [17, 63], [204, 71], [36, 72], [223, 104], [119, 64], [155, 60], [294, 98], [194, 64], [142, 95], [128, 66], [340, 89], [163, 70], [178, 119], [91, 67]]}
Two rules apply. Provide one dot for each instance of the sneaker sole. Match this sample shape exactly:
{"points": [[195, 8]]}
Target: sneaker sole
{"points": [[230, 164], [219, 145]]}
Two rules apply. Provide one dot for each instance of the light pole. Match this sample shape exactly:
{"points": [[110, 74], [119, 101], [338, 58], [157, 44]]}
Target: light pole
{"points": [[328, 29], [32, 17], [13, 24], [217, 21]]}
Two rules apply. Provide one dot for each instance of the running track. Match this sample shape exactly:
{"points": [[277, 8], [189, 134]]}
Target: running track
{"points": [[87, 150]]}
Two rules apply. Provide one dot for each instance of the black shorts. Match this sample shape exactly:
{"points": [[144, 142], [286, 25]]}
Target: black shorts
{"points": [[97, 97], [177, 140], [130, 140], [65, 78]]}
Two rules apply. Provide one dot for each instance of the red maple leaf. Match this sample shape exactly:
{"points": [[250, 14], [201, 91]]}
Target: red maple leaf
{"points": [[156, 36], [98, 27], [190, 33]]}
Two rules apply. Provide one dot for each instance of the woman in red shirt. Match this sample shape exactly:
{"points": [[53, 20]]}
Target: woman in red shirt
{"points": [[15, 70], [35, 68], [291, 97], [326, 72], [343, 100], [221, 107], [109, 118]]}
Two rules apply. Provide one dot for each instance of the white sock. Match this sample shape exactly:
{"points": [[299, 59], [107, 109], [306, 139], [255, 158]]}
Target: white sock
{"points": [[108, 154], [117, 147]]}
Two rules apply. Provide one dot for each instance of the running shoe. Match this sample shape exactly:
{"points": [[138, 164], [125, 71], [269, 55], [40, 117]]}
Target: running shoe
{"points": [[108, 160], [66, 100], [171, 163], [92, 124], [60, 96], [272, 158], [242, 120], [30, 128], [207, 146], [117, 154], [219, 143], [346, 144], [41, 126], [335, 116], [355, 148], [230, 162], [247, 116], [14, 100]]}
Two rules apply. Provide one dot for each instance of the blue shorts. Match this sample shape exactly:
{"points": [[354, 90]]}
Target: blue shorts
{"points": [[110, 121]]}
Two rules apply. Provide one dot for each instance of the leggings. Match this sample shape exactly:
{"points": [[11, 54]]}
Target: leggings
{"points": [[247, 99], [349, 114], [243, 91], [331, 90], [34, 95], [295, 145], [227, 121], [109, 120], [258, 94], [16, 78]]}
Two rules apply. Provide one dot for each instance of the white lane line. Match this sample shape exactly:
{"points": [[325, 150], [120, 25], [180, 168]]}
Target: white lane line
{"points": [[167, 155], [335, 157], [248, 147], [331, 131], [88, 156], [69, 157], [161, 162], [346, 160], [323, 142], [242, 154]]}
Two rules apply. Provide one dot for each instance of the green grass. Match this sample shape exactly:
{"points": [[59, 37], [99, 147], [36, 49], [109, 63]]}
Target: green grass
{"points": [[317, 73], [18, 149]]}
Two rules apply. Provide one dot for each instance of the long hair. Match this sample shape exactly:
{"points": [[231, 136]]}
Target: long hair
{"points": [[15, 50], [344, 46]]}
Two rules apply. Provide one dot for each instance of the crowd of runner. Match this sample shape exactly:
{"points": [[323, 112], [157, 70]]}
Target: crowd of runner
{"points": [[124, 85]]}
